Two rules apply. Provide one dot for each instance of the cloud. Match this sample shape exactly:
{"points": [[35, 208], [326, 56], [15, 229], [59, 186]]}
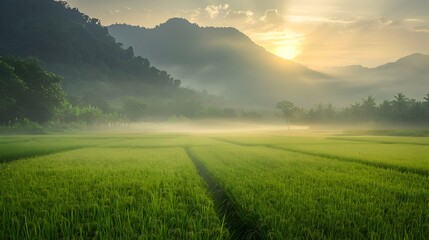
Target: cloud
{"points": [[223, 13], [369, 41], [273, 17], [422, 28], [214, 10], [240, 16], [414, 20], [329, 31]]}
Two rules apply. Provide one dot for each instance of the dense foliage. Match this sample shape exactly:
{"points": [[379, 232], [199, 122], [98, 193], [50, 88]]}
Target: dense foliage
{"points": [[28, 91], [71, 43], [399, 110], [102, 80]]}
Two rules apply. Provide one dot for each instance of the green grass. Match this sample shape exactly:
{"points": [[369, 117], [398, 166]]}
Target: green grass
{"points": [[396, 132], [406, 157], [292, 195], [145, 186], [106, 194], [424, 141], [17, 147]]}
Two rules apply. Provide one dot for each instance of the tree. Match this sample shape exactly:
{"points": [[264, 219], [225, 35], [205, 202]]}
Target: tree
{"points": [[426, 99], [369, 108], [28, 91], [385, 110], [134, 108], [426, 107], [288, 110], [415, 111], [12, 89], [400, 105]]}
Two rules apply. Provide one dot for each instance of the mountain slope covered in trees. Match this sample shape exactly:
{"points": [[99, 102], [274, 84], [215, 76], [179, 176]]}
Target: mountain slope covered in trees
{"points": [[97, 70], [65, 39]]}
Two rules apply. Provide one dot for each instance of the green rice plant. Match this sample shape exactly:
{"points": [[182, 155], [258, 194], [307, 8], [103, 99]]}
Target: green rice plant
{"points": [[162, 141], [101, 193], [404, 157], [17, 147], [144, 186], [296, 196], [34, 147], [24, 146], [385, 139]]}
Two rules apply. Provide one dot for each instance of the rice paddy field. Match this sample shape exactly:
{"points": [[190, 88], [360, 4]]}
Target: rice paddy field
{"points": [[214, 186]]}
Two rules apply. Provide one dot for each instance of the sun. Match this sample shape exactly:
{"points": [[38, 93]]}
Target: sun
{"points": [[287, 52]]}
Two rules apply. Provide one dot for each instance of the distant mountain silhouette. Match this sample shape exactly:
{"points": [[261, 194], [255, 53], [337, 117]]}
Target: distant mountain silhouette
{"points": [[416, 63], [223, 61], [409, 75]]}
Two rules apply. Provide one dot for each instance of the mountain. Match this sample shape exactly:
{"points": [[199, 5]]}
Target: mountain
{"points": [[226, 62], [416, 63], [409, 75], [223, 61], [97, 70], [65, 39]]}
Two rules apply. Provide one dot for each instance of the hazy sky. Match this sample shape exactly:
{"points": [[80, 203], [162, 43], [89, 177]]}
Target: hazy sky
{"points": [[312, 32]]}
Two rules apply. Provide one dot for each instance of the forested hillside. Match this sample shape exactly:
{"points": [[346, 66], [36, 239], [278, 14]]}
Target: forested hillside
{"points": [[97, 71], [71, 43]]}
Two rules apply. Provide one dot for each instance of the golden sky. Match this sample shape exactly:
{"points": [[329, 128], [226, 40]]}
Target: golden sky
{"points": [[316, 33]]}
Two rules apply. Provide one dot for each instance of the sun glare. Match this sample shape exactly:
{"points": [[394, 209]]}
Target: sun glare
{"points": [[287, 52]]}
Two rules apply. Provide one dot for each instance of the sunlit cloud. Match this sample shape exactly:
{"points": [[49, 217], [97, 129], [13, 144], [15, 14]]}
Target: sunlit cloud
{"points": [[272, 20], [424, 28], [214, 10], [312, 32], [414, 20]]}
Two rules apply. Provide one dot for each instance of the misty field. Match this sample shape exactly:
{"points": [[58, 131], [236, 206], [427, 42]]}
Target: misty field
{"points": [[202, 186]]}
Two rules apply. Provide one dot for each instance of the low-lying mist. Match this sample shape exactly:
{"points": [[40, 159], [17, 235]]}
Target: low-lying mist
{"points": [[243, 127], [208, 126]]}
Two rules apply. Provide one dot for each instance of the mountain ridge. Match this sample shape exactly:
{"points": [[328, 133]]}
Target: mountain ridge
{"points": [[97, 70], [222, 60], [228, 63]]}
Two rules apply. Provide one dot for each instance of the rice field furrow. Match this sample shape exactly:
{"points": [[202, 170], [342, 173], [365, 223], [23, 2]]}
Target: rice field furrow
{"points": [[379, 163], [101, 193], [378, 141], [240, 228], [297, 196], [233, 186], [402, 169], [19, 156]]}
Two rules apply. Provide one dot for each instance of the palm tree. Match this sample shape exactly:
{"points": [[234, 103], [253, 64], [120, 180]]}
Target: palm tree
{"points": [[426, 99], [400, 105], [368, 107], [426, 106]]}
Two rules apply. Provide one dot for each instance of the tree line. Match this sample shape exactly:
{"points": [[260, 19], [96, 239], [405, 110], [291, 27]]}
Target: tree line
{"points": [[398, 110], [31, 94]]}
